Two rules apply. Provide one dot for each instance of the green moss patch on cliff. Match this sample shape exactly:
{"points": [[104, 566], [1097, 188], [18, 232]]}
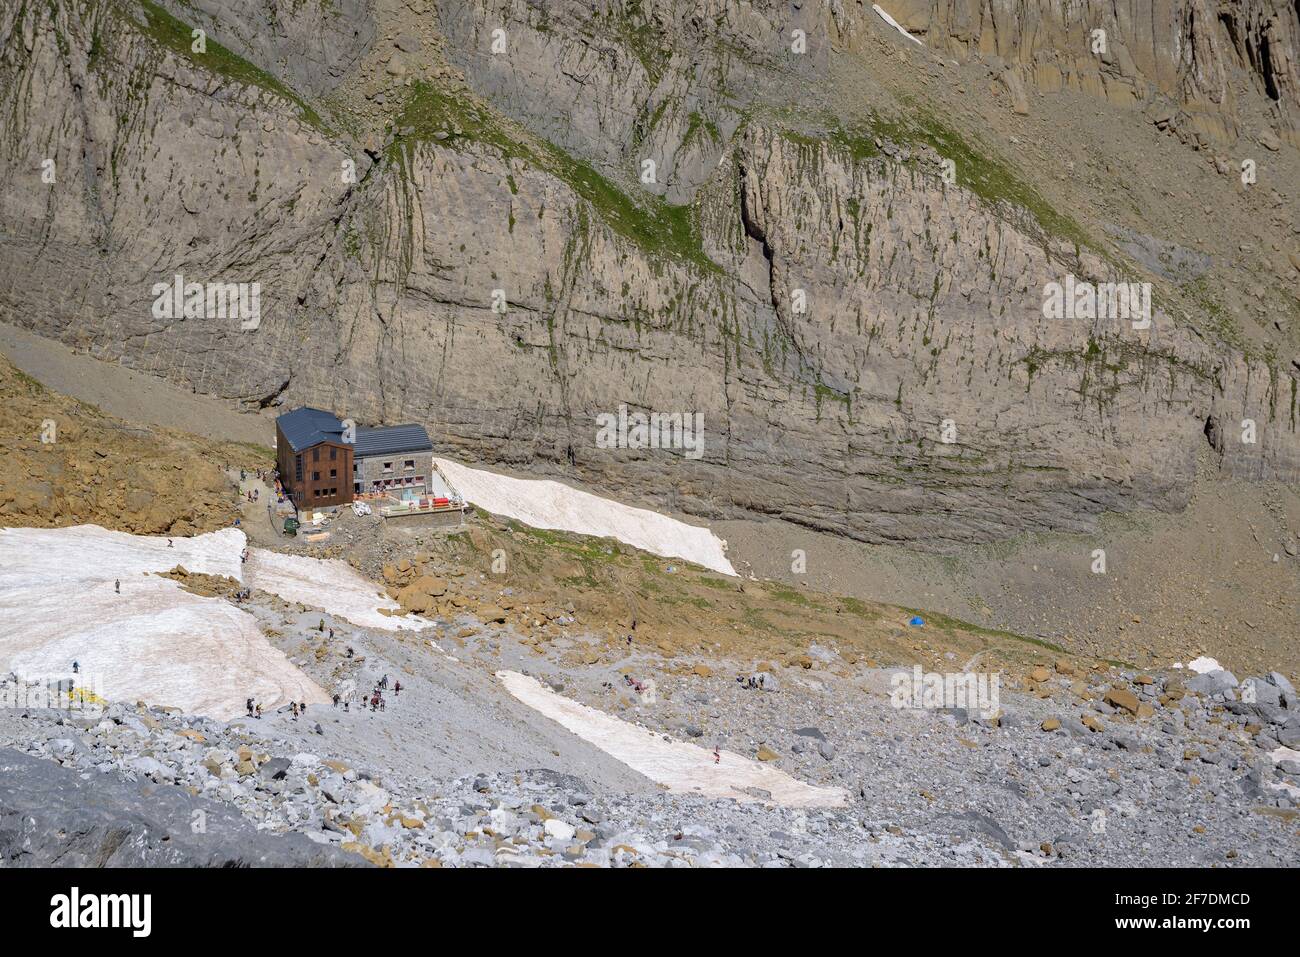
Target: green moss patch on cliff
{"points": [[1107, 363], [177, 36], [977, 169], [448, 117], [987, 176]]}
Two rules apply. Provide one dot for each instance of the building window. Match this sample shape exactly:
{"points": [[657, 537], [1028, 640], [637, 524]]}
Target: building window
{"points": [[334, 473], [409, 464], [297, 467], [388, 466], [334, 453], [315, 476], [315, 454]]}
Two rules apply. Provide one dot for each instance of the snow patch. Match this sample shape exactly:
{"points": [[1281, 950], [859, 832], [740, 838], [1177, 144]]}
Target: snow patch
{"points": [[683, 768], [154, 641], [1203, 665], [894, 23], [543, 503], [45, 556], [329, 584]]}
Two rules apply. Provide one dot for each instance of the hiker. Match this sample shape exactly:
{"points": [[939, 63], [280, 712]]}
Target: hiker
{"points": [[259, 709], [717, 755], [76, 667], [249, 704], [349, 651], [293, 706], [256, 495], [336, 699], [169, 543], [397, 688], [321, 626], [381, 703], [383, 682], [331, 634], [302, 708], [347, 706], [117, 585]]}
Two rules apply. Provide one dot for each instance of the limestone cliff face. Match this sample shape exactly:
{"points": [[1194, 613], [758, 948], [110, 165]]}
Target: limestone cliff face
{"points": [[830, 302], [1178, 58]]}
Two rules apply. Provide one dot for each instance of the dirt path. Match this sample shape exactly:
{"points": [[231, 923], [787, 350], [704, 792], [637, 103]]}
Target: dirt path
{"points": [[131, 395]]}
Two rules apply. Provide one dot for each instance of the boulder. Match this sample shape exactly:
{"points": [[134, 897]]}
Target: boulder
{"points": [[1279, 681], [1122, 698], [275, 769], [1212, 682], [560, 830]]}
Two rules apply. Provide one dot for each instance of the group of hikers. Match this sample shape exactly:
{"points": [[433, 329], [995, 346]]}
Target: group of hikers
{"points": [[632, 683], [375, 699], [268, 477], [296, 708]]}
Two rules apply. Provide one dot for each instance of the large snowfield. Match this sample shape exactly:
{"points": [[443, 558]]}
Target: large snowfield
{"points": [[679, 766], [543, 503], [155, 641]]}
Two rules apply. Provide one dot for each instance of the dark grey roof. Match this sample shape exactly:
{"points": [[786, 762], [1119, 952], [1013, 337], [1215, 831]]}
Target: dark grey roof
{"points": [[392, 440], [305, 427]]}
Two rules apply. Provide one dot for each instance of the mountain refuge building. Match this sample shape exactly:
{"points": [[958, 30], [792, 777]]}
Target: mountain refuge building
{"points": [[324, 463]]}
